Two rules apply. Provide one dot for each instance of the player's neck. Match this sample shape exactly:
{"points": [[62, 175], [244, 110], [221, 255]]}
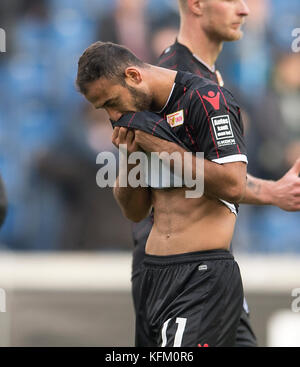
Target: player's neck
{"points": [[199, 44], [161, 83]]}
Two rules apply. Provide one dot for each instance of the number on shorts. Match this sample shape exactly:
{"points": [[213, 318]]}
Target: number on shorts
{"points": [[179, 332]]}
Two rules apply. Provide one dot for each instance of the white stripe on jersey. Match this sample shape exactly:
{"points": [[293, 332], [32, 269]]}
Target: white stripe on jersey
{"points": [[231, 159]]}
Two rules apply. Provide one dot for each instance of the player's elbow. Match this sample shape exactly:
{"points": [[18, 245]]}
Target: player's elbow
{"points": [[236, 192], [235, 186], [236, 189], [136, 207], [137, 215]]}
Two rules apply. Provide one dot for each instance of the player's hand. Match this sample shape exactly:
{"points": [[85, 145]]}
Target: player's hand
{"points": [[122, 135], [286, 191]]}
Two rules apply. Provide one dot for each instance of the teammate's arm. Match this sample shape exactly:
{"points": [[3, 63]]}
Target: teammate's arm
{"points": [[284, 193], [135, 203]]}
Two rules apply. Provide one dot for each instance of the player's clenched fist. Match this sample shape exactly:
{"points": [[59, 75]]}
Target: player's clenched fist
{"points": [[122, 135]]}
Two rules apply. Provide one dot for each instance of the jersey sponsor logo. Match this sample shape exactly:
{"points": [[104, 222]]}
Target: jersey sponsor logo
{"points": [[176, 118], [222, 143], [222, 127], [213, 99], [223, 130]]}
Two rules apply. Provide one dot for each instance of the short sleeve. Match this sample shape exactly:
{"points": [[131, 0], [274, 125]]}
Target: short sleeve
{"points": [[216, 124]]}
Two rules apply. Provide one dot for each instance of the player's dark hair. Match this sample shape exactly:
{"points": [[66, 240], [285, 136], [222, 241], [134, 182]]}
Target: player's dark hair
{"points": [[104, 59]]}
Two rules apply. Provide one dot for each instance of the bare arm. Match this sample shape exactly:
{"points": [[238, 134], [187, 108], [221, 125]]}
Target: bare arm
{"points": [[284, 193], [225, 181], [135, 203]]}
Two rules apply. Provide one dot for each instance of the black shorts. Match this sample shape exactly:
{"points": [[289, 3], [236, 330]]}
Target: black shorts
{"points": [[188, 300], [245, 336]]}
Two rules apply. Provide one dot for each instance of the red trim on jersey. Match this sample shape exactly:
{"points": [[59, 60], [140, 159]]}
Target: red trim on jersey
{"points": [[167, 58], [184, 91], [129, 123], [197, 71], [190, 136], [224, 98], [156, 125], [189, 126], [238, 148], [208, 120]]}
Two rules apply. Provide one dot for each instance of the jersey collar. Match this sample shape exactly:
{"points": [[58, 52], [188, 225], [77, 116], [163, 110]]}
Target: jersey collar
{"points": [[212, 70], [168, 100]]}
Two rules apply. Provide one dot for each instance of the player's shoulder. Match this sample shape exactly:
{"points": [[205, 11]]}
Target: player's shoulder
{"points": [[197, 84], [176, 56], [191, 80], [210, 99], [167, 56], [209, 91]]}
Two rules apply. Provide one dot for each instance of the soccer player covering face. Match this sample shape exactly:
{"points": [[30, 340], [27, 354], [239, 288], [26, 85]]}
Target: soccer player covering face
{"points": [[190, 289]]}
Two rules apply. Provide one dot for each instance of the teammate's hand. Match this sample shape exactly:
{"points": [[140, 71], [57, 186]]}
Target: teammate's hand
{"points": [[122, 135], [286, 191]]}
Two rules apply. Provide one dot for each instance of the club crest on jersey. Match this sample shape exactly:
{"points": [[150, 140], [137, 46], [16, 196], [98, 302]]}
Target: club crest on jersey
{"points": [[213, 99], [176, 118]]}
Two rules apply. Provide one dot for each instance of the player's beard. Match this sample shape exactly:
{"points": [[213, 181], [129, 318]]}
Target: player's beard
{"points": [[142, 101], [224, 35]]}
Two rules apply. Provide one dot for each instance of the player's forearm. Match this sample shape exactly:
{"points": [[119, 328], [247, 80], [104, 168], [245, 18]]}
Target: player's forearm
{"points": [[258, 191], [135, 203]]}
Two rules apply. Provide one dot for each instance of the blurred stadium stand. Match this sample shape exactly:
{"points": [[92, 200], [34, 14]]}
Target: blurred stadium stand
{"points": [[39, 105], [49, 140]]}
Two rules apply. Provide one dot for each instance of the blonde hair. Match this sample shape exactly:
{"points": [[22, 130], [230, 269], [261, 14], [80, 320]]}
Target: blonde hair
{"points": [[182, 5]]}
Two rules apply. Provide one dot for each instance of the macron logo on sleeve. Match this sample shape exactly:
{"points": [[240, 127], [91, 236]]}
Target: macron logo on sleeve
{"points": [[213, 99]]}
